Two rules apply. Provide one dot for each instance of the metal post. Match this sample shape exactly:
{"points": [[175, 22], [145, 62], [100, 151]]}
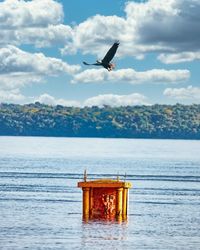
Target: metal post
{"points": [[125, 199], [119, 202], [86, 202]]}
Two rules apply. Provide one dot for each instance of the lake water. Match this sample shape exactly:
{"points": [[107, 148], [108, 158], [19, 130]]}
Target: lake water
{"points": [[41, 206]]}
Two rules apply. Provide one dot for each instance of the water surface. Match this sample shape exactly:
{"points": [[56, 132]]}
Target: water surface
{"points": [[40, 205]]}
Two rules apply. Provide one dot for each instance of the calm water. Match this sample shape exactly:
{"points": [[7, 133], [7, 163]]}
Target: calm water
{"points": [[40, 205]]}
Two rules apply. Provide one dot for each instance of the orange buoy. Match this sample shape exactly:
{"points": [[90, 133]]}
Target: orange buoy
{"points": [[105, 199]]}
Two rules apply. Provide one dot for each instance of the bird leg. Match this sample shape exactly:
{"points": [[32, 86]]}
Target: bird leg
{"points": [[111, 66]]}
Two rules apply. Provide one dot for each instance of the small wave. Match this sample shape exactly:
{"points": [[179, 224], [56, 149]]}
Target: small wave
{"points": [[168, 203], [180, 178], [41, 200]]}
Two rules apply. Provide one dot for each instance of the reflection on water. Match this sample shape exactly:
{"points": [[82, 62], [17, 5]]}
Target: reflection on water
{"points": [[105, 220], [41, 206], [103, 234]]}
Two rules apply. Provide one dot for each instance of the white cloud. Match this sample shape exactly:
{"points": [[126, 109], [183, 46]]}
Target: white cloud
{"points": [[53, 35], [12, 96], [100, 100], [13, 59], [189, 93], [33, 22], [117, 100], [18, 67], [132, 76], [170, 27], [152, 26], [50, 100], [11, 81], [173, 24], [179, 57], [90, 36], [20, 13]]}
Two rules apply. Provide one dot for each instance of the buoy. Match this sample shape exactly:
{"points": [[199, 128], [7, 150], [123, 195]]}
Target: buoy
{"points": [[105, 198]]}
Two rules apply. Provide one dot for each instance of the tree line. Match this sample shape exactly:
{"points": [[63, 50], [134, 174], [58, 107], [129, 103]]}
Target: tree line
{"points": [[156, 121]]}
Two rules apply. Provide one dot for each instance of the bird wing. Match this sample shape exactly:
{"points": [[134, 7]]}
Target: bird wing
{"points": [[97, 64], [111, 52]]}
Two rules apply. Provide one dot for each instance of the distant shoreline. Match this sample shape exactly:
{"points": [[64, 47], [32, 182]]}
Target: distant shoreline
{"points": [[131, 122], [86, 137]]}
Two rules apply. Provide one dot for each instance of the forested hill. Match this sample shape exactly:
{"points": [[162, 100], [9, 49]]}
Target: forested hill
{"points": [[157, 121]]}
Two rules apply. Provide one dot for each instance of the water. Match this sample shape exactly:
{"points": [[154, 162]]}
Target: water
{"points": [[40, 205]]}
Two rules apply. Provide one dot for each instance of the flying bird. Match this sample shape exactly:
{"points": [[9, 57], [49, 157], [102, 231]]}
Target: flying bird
{"points": [[106, 61]]}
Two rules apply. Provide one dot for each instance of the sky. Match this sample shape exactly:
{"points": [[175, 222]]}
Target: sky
{"points": [[43, 44]]}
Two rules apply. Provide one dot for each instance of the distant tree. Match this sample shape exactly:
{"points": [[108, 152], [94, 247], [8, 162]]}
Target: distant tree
{"points": [[157, 121]]}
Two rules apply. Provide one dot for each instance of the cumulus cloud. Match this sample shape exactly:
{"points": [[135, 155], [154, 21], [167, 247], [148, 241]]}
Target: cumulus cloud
{"points": [[11, 96], [11, 81], [90, 35], [11, 84], [18, 67], [13, 59], [14, 96], [179, 57], [117, 100], [151, 26], [50, 100], [170, 28], [100, 100], [15, 13], [189, 93], [132, 76], [33, 22], [53, 35]]}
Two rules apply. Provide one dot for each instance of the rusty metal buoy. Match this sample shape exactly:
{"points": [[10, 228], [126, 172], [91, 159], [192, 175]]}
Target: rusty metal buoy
{"points": [[105, 198]]}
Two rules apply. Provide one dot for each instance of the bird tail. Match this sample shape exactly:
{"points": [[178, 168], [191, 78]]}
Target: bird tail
{"points": [[96, 64], [86, 63]]}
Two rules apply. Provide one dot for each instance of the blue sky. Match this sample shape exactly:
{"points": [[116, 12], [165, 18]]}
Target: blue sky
{"points": [[43, 44]]}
